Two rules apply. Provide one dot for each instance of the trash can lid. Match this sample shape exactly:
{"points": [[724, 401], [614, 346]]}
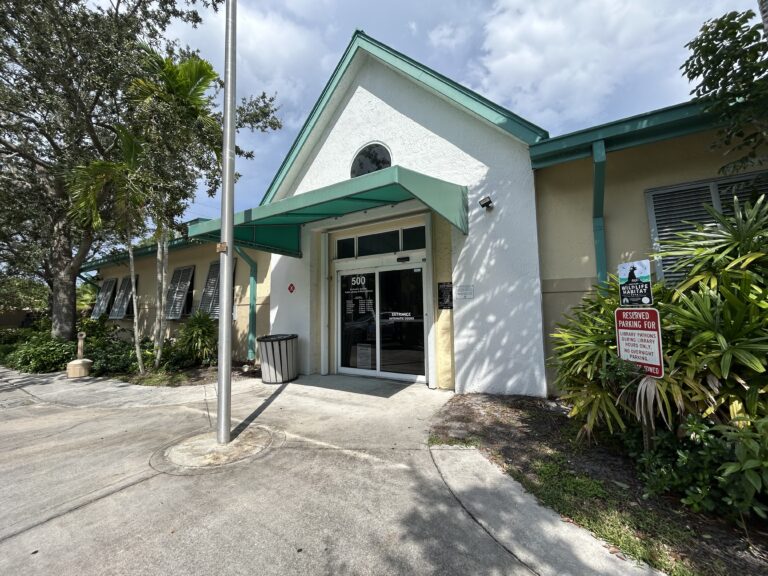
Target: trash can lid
{"points": [[276, 337]]}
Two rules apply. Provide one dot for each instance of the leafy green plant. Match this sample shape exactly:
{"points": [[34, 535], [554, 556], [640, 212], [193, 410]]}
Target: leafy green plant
{"points": [[737, 244], [702, 423], [199, 337], [41, 353], [745, 478], [111, 355]]}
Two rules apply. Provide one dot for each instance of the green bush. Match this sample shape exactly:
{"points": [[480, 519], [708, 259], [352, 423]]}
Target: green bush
{"points": [[198, 337], [41, 353], [15, 335], [5, 350], [110, 355], [177, 357], [715, 387], [96, 328]]}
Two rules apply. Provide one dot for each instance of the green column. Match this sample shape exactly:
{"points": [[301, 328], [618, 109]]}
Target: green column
{"points": [[598, 206]]}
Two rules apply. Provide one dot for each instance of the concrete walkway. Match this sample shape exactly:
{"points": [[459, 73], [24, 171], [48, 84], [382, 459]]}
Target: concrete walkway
{"points": [[347, 485]]}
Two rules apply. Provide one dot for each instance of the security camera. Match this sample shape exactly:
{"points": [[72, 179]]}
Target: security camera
{"points": [[486, 202]]}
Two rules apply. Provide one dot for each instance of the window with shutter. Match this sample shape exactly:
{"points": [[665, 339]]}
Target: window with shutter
{"points": [[104, 299], [209, 302], [178, 290], [122, 300], [671, 209]]}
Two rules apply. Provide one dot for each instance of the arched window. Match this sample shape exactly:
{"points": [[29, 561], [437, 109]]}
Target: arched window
{"points": [[370, 159]]}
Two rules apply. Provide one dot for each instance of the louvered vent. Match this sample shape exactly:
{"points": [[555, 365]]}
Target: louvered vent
{"points": [[672, 212]]}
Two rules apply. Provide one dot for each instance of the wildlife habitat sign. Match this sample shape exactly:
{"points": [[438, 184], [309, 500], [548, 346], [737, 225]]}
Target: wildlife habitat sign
{"points": [[635, 283], [638, 338]]}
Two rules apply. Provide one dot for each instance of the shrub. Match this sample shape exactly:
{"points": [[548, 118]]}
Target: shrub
{"points": [[715, 387], [199, 338], [177, 357], [15, 335], [110, 355], [41, 353], [96, 328]]}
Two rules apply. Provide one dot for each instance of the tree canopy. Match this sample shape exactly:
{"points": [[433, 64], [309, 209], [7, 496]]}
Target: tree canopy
{"points": [[729, 62], [71, 74]]}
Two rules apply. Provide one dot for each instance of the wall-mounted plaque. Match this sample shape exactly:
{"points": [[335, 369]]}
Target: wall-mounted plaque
{"points": [[445, 295]]}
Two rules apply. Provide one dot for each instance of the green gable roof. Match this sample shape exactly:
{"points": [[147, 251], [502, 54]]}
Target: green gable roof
{"points": [[460, 95]]}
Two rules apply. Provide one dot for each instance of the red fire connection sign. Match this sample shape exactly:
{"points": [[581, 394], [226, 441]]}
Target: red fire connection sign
{"points": [[638, 338]]}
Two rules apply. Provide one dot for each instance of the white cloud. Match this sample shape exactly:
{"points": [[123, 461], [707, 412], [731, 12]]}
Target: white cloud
{"points": [[448, 36], [413, 27], [562, 65]]}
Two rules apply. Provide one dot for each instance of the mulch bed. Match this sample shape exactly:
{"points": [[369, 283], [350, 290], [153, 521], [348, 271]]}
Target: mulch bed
{"points": [[516, 432]]}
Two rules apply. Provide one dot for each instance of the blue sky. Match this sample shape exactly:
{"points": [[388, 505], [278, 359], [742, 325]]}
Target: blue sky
{"points": [[562, 65]]}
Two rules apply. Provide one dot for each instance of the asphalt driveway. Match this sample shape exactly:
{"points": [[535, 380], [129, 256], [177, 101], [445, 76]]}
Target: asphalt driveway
{"points": [[346, 485]]}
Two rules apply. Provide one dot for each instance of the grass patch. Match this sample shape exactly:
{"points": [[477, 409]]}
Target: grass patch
{"points": [[439, 440], [157, 378], [609, 513]]}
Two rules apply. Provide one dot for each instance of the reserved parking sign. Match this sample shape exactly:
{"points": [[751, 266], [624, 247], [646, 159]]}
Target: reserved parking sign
{"points": [[638, 338]]}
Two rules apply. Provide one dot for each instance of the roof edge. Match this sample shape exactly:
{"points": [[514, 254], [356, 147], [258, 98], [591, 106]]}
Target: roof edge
{"points": [[648, 127]]}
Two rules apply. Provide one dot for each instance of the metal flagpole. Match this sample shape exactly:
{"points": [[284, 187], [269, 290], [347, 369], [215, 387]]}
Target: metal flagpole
{"points": [[226, 247]]}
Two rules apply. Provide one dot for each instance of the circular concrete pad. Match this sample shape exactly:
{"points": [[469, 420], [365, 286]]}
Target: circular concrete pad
{"points": [[203, 451]]}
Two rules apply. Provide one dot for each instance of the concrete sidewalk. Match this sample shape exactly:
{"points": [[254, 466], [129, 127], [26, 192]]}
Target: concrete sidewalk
{"points": [[536, 535], [348, 485]]}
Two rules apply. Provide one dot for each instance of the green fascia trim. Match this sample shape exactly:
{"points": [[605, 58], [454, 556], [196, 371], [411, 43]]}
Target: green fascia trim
{"points": [[654, 126], [462, 96], [598, 210], [276, 227], [122, 256], [252, 279]]}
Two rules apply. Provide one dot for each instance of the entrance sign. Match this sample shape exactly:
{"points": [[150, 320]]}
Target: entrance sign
{"points": [[635, 283], [445, 295], [638, 338]]}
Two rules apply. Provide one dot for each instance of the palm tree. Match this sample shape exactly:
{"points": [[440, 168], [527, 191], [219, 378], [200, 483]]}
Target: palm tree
{"points": [[179, 90], [115, 188]]}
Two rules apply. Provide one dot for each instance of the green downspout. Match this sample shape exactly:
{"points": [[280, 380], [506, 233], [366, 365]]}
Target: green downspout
{"points": [[251, 302], [598, 205]]}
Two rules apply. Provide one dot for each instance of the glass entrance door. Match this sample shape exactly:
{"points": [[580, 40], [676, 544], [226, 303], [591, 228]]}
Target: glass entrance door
{"points": [[358, 321], [401, 321], [382, 322]]}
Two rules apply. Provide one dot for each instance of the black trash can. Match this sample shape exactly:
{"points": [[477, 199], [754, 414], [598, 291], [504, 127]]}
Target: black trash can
{"points": [[279, 356]]}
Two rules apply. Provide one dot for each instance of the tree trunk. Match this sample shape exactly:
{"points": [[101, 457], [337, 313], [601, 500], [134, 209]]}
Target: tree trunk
{"points": [[763, 5], [63, 296], [63, 304], [136, 339], [157, 335], [162, 274]]}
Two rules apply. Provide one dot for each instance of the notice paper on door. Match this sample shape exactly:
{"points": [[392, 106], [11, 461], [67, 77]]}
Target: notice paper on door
{"points": [[364, 356]]}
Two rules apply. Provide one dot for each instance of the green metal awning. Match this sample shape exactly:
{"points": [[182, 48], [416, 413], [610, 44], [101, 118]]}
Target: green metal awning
{"points": [[276, 227]]}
